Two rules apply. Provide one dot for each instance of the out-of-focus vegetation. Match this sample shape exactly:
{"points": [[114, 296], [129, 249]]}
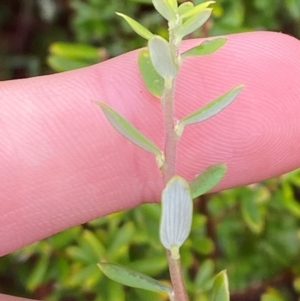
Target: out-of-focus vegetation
{"points": [[253, 231], [39, 36]]}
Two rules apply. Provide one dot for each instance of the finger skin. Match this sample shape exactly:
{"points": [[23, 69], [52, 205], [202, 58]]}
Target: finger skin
{"points": [[62, 163], [12, 298]]}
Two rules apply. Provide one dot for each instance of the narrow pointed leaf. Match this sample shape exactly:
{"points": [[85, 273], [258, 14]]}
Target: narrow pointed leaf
{"points": [[208, 179], [220, 290], [205, 48], [131, 133], [185, 7], [152, 80], [195, 22], [196, 9], [165, 9], [251, 214], [161, 57], [137, 27], [177, 211], [132, 278], [209, 110]]}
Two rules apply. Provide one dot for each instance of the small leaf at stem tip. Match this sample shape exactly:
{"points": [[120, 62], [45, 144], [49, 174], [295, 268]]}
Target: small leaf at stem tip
{"points": [[161, 57], [196, 9], [131, 133], [152, 80], [164, 8], [208, 179], [208, 110], [132, 278], [190, 25], [185, 7], [205, 48], [177, 212], [137, 27], [220, 290]]}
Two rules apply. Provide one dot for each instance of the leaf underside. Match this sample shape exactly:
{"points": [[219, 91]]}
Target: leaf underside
{"points": [[177, 212], [209, 110], [126, 129], [220, 290], [133, 278]]}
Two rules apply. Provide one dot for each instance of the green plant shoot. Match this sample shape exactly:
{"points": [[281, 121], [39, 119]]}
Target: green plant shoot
{"points": [[159, 65]]}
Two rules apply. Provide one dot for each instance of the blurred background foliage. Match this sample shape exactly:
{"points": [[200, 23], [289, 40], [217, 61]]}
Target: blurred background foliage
{"points": [[252, 231]]}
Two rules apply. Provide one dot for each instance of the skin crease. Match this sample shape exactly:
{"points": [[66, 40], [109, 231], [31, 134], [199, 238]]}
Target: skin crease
{"points": [[63, 164]]}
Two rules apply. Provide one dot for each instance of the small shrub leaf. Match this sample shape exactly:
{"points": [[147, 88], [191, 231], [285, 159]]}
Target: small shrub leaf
{"points": [[173, 4], [195, 9], [205, 48], [220, 290], [272, 295], [75, 51], [185, 7], [132, 278], [131, 133], [209, 110], [288, 200], [193, 23], [176, 217], [161, 57], [165, 9], [251, 213], [152, 80], [206, 180], [137, 27]]}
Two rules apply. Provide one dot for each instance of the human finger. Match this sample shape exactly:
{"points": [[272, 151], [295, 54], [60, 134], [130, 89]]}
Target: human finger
{"points": [[63, 164]]}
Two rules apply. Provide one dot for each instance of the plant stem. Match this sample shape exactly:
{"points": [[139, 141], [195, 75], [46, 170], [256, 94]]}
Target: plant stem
{"points": [[170, 136], [177, 278]]}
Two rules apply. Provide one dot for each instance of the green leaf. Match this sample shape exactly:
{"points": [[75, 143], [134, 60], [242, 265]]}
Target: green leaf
{"points": [[121, 238], [173, 4], [185, 7], [165, 9], [132, 278], [205, 48], [288, 199], [60, 63], [205, 274], [196, 9], [153, 81], [206, 180], [190, 25], [75, 51], [177, 213], [115, 291], [251, 213], [92, 245], [38, 272], [161, 57], [131, 133], [209, 110], [272, 295], [220, 290], [137, 27]]}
